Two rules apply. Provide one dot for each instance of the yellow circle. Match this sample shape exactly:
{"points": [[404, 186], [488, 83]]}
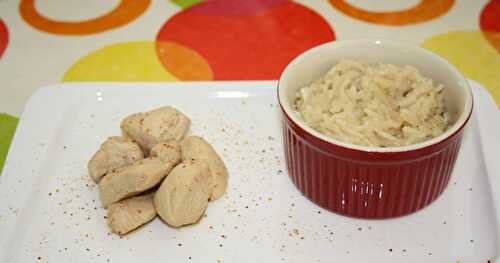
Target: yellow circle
{"points": [[472, 54], [130, 61]]}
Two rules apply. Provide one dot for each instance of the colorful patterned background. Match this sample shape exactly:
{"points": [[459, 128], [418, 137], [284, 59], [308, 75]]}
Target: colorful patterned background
{"points": [[49, 41]]}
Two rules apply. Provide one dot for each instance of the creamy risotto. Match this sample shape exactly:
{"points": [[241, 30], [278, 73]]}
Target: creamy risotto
{"points": [[379, 104]]}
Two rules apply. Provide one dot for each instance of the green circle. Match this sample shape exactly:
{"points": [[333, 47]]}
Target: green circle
{"points": [[8, 126], [186, 3]]}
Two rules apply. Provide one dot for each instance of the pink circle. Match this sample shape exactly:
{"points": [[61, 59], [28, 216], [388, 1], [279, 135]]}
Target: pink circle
{"points": [[235, 7]]}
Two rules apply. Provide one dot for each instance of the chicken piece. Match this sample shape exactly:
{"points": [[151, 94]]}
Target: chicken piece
{"points": [[131, 213], [161, 124], [167, 151], [197, 148], [114, 153], [132, 180], [140, 176], [183, 196]]}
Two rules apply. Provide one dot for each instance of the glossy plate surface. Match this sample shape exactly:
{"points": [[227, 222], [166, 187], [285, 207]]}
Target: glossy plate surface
{"points": [[50, 211]]}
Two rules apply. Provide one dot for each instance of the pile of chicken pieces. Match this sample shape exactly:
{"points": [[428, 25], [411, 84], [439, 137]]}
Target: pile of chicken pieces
{"points": [[154, 168]]}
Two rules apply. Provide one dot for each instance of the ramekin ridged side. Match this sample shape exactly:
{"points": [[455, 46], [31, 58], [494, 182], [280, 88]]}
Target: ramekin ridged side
{"points": [[358, 185]]}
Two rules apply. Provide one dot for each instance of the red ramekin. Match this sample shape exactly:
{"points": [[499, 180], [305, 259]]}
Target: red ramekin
{"points": [[371, 182]]}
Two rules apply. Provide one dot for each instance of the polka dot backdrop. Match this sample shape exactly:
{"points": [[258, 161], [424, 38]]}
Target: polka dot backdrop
{"points": [[176, 40]]}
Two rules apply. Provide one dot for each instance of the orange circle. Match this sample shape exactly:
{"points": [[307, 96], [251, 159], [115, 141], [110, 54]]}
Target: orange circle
{"points": [[125, 12], [183, 62], [424, 11]]}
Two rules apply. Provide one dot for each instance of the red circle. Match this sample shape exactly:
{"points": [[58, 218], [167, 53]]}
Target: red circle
{"points": [[4, 37], [256, 46], [490, 17], [489, 22]]}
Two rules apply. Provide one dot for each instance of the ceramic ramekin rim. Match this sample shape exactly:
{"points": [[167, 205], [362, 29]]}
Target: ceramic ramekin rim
{"points": [[461, 121]]}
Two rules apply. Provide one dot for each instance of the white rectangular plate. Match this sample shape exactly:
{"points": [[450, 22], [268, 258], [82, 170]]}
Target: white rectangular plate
{"points": [[50, 210]]}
